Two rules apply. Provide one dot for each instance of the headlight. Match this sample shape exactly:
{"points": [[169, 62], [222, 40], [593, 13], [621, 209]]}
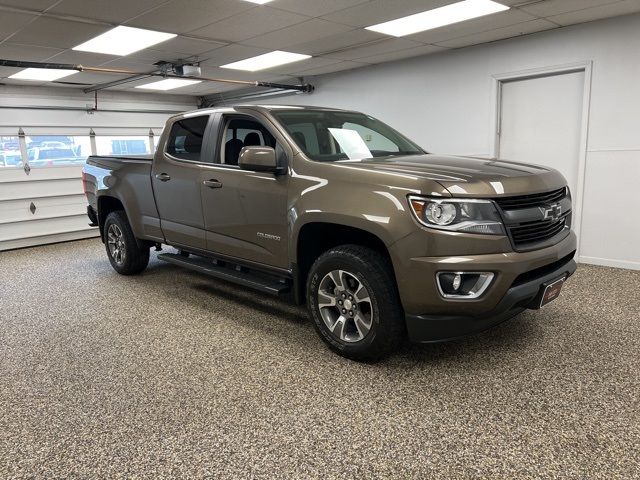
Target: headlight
{"points": [[457, 215]]}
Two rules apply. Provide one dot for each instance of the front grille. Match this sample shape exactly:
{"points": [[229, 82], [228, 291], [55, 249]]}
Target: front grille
{"points": [[535, 232], [525, 222], [528, 201]]}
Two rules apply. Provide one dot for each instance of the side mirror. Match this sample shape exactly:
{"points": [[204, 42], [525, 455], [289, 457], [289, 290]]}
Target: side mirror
{"points": [[258, 159]]}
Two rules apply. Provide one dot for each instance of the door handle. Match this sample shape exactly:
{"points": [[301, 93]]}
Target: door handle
{"points": [[212, 183], [163, 177]]}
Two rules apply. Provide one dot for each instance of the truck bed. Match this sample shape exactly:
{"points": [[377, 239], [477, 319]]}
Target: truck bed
{"points": [[140, 158]]}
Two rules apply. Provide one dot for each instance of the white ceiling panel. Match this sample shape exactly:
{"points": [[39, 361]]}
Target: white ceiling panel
{"points": [[469, 27], [6, 71], [57, 33], [11, 81], [254, 22], [231, 53], [29, 53], [84, 58], [129, 64], [499, 34], [401, 54], [11, 22], [377, 48], [596, 13], [182, 16], [93, 78], [556, 7], [116, 11], [297, 67], [339, 41], [308, 31], [215, 72], [377, 11], [315, 8], [39, 5], [188, 46]]}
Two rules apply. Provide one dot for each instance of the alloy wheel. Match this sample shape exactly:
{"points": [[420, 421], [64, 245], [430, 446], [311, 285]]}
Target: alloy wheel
{"points": [[115, 242], [345, 306]]}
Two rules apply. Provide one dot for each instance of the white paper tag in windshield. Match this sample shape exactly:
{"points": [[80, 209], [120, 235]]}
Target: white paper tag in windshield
{"points": [[351, 143]]}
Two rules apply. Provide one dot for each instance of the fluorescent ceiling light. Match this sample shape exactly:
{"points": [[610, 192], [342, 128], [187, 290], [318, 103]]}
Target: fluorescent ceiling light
{"points": [[267, 60], [42, 74], [123, 41], [168, 84], [259, 2], [438, 17]]}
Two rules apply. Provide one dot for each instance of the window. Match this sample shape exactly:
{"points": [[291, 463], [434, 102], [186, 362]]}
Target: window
{"points": [[374, 140], [243, 132], [305, 137], [333, 135], [57, 150], [186, 138], [10, 156]]}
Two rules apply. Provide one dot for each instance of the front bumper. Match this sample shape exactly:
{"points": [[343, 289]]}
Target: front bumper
{"points": [[439, 328], [517, 281]]}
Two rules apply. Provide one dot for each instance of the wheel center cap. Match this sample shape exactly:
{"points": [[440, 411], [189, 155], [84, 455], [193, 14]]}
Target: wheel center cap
{"points": [[348, 305]]}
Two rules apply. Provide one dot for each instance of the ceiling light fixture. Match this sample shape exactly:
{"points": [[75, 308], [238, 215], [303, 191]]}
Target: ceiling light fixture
{"points": [[168, 84], [438, 17], [124, 41], [259, 2], [267, 60], [41, 74]]}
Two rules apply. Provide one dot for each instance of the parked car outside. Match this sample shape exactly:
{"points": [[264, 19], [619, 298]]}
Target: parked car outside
{"points": [[10, 158]]}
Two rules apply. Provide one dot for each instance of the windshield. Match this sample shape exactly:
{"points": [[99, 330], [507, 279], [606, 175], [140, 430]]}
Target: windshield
{"points": [[329, 136]]}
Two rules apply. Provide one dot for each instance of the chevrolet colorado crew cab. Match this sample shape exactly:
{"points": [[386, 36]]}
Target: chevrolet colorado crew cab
{"points": [[335, 209]]}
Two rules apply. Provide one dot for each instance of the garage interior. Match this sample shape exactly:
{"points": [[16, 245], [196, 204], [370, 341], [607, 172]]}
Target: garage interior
{"points": [[174, 374]]}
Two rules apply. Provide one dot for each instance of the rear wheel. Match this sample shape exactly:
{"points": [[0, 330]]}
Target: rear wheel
{"points": [[353, 301], [127, 257]]}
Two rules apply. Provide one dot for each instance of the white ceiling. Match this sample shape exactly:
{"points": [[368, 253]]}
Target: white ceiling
{"points": [[216, 32]]}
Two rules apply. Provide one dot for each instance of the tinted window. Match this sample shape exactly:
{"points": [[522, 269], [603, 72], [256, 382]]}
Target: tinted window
{"points": [[334, 135], [243, 132], [186, 138]]}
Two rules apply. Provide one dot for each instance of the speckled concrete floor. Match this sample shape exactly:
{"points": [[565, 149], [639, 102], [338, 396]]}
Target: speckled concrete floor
{"points": [[172, 374]]}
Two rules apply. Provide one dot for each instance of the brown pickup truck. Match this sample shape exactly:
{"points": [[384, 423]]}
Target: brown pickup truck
{"points": [[335, 209]]}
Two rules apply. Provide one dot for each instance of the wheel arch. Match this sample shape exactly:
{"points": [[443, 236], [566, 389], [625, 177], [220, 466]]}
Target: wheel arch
{"points": [[315, 238], [107, 204]]}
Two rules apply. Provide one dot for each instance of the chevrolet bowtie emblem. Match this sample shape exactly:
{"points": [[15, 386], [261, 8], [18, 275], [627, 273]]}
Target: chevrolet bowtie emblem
{"points": [[552, 212]]}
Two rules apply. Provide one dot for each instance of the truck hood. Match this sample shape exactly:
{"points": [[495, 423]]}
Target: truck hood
{"points": [[468, 176]]}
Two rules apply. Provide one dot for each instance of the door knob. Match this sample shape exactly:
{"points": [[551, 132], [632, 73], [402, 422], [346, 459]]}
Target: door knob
{"points": [[212, 183], [163, 177]]}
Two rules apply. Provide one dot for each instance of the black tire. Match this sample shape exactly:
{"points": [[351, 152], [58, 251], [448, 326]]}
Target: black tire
{"points": [[386, 317], [134, 258]]}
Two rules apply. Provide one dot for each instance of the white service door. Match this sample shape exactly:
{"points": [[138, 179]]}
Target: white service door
{"points": [[540, 122]]}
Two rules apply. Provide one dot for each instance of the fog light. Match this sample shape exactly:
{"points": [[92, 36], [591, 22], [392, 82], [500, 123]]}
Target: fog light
{"points": [[457, 280], [463, 284]]}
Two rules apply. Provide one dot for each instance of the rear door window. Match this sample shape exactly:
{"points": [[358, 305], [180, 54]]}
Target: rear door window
{"points": [[187, 137]]}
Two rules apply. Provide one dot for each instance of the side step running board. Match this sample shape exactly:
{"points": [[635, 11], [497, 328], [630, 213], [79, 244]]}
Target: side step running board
{"points": [[200, 264]]}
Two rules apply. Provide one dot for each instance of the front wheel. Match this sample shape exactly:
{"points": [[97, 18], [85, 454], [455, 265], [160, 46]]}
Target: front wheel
{"points": [[353, 301], [125, 255]]}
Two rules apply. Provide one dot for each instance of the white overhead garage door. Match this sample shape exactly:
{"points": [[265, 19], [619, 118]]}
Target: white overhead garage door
{"points": [[52, 132]]}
